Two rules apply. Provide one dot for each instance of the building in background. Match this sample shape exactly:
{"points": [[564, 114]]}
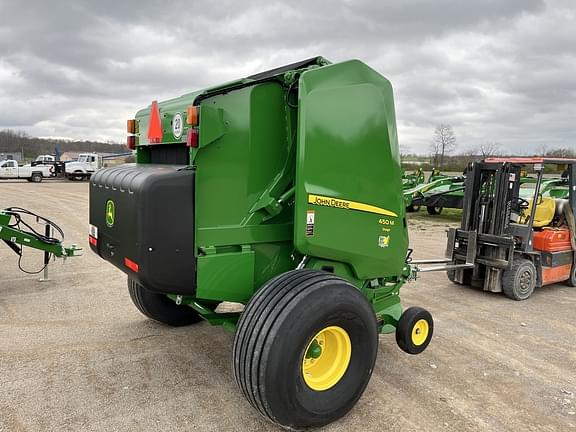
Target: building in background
{"points": [[69, 156], [16, 155]]}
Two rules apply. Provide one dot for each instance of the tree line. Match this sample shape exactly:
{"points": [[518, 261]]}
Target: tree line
{"points": [[17, 141], [444, 144]]}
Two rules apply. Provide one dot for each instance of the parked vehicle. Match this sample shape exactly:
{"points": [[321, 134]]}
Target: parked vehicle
{"points": [[441, 191], [511, 240], [44, 159], [86, 165], [50, 160], [9, 169]]}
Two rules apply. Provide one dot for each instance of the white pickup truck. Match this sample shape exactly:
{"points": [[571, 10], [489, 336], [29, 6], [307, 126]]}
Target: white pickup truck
{"points": [[86, 165], [9, 169]]}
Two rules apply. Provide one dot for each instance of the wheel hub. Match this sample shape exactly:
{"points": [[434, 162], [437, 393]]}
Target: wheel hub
{"points": [[525, 280], [326, 358], [420, 332]]}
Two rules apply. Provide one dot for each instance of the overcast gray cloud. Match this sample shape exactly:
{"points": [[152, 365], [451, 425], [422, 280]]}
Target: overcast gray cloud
{"points": [[500, 71]]}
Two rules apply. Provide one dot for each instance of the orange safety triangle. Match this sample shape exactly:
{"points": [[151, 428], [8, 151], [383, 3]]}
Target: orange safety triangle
{"points": [[154, 124]]}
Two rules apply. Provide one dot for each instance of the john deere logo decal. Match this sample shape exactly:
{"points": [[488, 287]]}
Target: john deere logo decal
{"points": [[110, 213]]}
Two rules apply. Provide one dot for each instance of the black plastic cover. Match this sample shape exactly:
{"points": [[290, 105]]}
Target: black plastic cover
{"points": [[153, 224]]}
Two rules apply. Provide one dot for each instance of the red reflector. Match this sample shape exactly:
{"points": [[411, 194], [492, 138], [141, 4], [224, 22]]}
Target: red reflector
{"points": [[155, 126], [93, 241], [131, 142], [192, 138], [131, 265]]}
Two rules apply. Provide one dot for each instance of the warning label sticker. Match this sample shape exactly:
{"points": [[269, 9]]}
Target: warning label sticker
{"points": [[310, 216]]}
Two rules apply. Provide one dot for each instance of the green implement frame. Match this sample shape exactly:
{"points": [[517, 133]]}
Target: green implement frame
{"points": [[17, 238], [440, 191]]}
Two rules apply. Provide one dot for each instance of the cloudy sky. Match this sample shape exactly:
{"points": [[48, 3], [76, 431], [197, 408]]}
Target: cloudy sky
{"points": [[496, 70]]}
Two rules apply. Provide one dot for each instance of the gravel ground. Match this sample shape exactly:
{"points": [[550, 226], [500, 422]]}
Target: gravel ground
{"points": [[76, 355]]}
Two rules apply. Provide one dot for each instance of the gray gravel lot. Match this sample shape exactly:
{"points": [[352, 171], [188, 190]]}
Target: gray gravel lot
{"points": [[76, 355]]}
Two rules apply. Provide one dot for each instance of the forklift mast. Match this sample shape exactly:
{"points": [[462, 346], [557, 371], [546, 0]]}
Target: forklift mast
{"points": [[492, 204]]}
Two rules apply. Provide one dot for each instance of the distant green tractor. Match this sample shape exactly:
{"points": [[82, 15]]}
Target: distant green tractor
{"points": [[268, 191], [412, 180]]}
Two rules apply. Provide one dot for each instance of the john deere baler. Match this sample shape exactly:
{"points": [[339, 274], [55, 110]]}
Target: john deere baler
{"points": [[281, 191]]}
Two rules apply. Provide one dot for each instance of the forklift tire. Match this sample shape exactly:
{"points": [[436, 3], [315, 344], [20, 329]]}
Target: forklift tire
{"points": [[413, 208], [305, 348], [432, 210], [519, 282], [36, 178], [414, 330], [160, 308], [572, 280]]}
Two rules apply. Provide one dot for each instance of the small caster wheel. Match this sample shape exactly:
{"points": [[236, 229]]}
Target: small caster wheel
{"points": [[414, 330]]}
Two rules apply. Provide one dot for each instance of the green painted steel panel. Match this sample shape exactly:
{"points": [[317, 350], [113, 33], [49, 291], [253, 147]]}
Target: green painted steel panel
{"points": [[225, 276], [168, 109], [348, 163]]}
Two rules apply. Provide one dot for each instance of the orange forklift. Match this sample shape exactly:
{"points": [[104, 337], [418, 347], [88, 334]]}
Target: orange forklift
{"points": [[513, 236]]}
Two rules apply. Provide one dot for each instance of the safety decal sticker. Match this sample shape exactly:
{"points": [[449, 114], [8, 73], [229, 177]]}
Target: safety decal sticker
{"points": [[177, 125], [348, 205], [310, 216], [384, 241]]}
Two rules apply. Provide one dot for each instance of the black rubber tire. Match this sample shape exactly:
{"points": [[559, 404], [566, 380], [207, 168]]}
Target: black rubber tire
{"points": [[413, 208], [271, 338], [404, 329], [519, 282], [432, 210], [160, 308], [572, 280], [36, 177]]}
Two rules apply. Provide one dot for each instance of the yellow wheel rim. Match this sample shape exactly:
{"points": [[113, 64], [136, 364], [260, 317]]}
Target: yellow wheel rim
{"points": [[420, 332], [326, 358]]}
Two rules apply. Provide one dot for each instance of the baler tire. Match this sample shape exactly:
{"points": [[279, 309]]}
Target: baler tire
{"points": [[276, 331], [434, 210], [511, 283], [413, 208], [160, 308], [406, 331]]}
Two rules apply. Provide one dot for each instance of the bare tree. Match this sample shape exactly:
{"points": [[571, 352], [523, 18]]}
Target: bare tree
{"points": [[542, 150], [404, 150], [443, 143], [561, 153], [489, 148]]}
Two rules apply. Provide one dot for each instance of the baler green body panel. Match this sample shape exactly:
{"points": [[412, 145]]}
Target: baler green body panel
{"points": [[347, 151], [232, 174]]}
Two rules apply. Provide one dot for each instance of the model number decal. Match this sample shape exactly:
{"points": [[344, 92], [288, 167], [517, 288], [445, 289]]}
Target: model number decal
{"points": [[385, 222]]}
